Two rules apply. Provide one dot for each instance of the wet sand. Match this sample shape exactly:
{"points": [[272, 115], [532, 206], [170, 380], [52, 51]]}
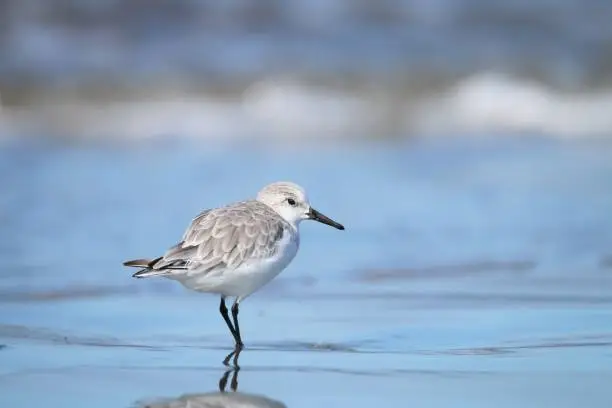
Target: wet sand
{"points": [[306, 348], [485, 287]]}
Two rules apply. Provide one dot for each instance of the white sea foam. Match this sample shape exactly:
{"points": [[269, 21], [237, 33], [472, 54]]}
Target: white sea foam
{"points": [[491, 103], [484, 104], [288, 109]]}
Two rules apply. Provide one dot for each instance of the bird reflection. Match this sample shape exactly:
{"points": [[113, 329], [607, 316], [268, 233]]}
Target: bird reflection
{"points": [[233, 369], [222, 398]]}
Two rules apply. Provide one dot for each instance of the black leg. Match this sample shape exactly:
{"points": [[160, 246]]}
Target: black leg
{"points": [[223, 310], [239, 344]]}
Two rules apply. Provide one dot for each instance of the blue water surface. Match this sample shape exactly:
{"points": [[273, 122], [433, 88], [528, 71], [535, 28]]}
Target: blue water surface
{"points": [[471, 273]]}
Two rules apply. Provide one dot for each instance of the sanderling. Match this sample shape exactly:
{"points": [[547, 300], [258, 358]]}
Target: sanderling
{"points": [[235, 250]]}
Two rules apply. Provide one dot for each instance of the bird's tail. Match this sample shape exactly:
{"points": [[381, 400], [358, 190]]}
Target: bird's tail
{"points": [[147, 265], [140, 263]]}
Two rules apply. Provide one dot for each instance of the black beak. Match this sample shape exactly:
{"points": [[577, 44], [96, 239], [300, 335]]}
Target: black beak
{"points": [[317, 216]]}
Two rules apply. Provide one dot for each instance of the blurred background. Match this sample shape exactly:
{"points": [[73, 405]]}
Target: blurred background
{"points": [[465, 145], [350, 69]]}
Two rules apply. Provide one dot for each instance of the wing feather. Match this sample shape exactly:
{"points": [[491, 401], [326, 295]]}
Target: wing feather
{"points": [[225, 238]]}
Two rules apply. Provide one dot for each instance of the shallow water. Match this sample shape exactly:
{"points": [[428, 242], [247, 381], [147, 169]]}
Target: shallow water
{"points": [[472, 273]]}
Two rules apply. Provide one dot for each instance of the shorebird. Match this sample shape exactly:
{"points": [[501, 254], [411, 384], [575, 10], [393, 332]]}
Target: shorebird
{"points": [[235, 250]]}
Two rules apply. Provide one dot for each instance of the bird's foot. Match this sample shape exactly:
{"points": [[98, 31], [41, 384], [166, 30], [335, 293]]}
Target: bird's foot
{"points": [[234, 357]]}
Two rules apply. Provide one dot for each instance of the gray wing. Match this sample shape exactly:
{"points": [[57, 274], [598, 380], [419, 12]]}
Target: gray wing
{"points": [[225, 238]]}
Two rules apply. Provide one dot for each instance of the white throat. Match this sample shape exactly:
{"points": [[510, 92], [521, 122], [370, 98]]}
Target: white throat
{"points": [[292, 217]]}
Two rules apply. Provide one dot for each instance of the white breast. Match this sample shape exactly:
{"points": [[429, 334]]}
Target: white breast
{"points": [[259, 272], [251, 275]]}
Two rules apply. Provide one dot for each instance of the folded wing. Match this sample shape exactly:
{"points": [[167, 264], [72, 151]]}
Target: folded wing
{"points": [[220, 239]]}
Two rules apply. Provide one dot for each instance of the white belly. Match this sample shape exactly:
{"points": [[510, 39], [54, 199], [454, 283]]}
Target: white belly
{"points": [[250, 276]]}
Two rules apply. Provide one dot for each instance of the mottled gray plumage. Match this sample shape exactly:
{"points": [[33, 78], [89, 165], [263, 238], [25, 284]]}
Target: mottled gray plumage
{"points": [[224, 238]]}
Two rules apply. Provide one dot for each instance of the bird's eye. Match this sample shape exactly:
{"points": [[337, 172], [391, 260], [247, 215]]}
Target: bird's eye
{"points": [[291, 201]]}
